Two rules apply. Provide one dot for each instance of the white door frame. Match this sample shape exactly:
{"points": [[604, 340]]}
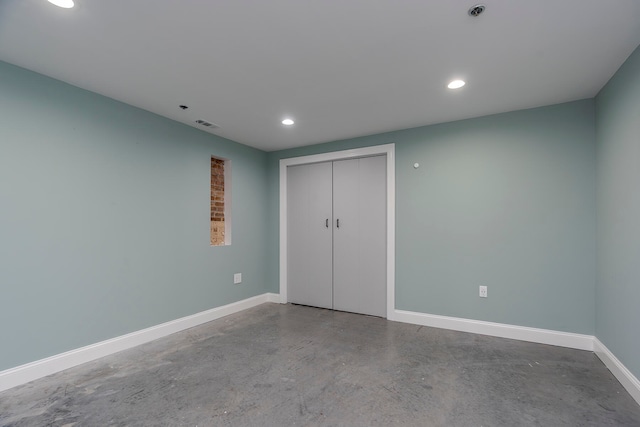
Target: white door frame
{"points": [[387, 150]]}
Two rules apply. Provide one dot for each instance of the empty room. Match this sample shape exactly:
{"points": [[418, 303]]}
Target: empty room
{"points": [[337, 213]]}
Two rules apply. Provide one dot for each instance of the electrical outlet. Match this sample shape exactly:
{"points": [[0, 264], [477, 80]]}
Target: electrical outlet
{"points": [[483, 291], [237, 278]]}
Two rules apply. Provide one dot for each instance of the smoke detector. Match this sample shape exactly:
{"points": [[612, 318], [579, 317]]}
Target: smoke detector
{"points": [[476, 10]]}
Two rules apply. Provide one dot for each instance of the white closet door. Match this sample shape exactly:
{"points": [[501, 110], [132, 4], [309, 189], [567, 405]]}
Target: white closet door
{"points": [[359, 235], [309, 234]]}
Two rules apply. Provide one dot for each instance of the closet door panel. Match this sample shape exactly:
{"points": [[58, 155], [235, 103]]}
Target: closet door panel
{"points": [[309, 239], [373, 236], [346, 232], [359, 244]]}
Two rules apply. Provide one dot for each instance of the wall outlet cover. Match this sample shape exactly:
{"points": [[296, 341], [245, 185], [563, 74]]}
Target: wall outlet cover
{"points": [[483, 291], [237, 278]]}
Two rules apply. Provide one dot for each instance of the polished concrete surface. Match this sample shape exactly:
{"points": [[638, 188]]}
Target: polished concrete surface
{"points": [[286, 365]]}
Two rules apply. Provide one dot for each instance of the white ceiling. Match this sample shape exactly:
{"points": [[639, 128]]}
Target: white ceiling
{"points": [[339, 68]]}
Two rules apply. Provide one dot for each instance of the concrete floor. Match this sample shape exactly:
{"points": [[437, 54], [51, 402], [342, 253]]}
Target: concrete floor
{"points": [[285, 365]]}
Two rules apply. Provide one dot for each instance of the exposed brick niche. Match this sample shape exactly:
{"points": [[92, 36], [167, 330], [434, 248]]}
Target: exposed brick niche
{"points": [[217, 202]]}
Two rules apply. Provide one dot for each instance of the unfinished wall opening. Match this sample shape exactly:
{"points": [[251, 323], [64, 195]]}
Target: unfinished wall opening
{"points": [[220, 232]]}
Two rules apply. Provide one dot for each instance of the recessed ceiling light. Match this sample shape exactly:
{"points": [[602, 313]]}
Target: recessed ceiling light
{"points": [[287, 122], [67, 4], [456, 84], [476, 10]]}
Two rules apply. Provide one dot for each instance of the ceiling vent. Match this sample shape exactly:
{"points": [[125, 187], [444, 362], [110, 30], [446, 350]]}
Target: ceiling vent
{"points": [[476, 10], [207, 124]]}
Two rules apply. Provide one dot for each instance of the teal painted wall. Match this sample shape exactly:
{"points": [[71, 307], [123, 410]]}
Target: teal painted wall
{"points": [[618, 196], [104, 219], [506, 201]]}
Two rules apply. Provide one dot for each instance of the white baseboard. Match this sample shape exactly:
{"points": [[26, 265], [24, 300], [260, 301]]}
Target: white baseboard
{"points": [[626, 378], [522, 333], [41, 368], [271, 297], [541, 336]]}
